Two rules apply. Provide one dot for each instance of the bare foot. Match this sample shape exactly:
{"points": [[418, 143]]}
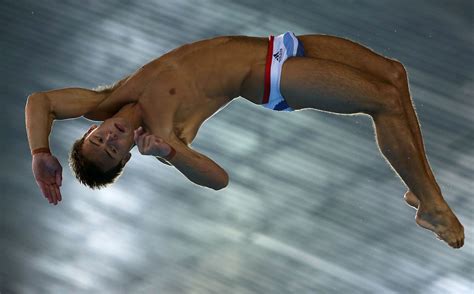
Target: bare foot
{"points": [[443, 223], [411, 199]]}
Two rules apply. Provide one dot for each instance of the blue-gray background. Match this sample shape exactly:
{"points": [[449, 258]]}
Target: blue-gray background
{"points": [[312, 207]]}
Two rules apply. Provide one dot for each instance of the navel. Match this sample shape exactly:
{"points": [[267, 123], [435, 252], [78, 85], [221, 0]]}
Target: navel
{"points": [[172, 91]]}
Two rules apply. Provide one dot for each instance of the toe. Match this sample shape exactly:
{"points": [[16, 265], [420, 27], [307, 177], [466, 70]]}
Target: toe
{"points": [[458, 243]]}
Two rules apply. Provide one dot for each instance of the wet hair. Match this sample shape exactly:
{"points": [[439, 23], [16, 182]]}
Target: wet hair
{"points": [[89, 173]]}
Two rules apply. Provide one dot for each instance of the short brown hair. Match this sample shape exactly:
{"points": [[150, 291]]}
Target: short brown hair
{"points": [[87, 172]]}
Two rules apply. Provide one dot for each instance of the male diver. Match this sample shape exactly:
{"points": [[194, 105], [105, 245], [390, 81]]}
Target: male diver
{"points": [[161, 106]]}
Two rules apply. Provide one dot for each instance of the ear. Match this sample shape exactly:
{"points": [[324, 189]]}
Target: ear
{"points": [[126, 158]]}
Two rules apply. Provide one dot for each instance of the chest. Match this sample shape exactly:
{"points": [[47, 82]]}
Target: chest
{"points": [[174, 109]]}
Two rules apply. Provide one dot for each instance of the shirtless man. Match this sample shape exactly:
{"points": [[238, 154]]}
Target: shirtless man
{"points": [[161, 106]]}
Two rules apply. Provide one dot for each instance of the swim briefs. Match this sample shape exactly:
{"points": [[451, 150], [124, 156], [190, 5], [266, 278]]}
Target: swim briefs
{"points": [[280, 48]]}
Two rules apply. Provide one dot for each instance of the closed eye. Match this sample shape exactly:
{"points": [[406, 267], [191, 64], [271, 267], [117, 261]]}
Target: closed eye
{"points": [[112, 148]]}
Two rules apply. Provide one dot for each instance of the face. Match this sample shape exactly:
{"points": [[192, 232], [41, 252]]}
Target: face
{"points": [[109, 143]]}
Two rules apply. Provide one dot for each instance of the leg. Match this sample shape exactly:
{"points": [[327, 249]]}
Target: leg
{"points": [[433, 212], [334, 87], [364, 59]]}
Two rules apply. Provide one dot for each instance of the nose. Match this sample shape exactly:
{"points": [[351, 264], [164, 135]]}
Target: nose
{"points": [[111, 136]]}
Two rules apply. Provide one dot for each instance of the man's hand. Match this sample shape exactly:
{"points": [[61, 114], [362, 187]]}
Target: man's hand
{"points": [[149, 144], [48, 175]]}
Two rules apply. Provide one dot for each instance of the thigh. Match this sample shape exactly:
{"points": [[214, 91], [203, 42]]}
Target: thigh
{"points": [[330, 86], [349, 53]]}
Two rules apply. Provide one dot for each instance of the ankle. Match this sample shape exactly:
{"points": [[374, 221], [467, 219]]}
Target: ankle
{"points": [[429, 196], [435, 206]]}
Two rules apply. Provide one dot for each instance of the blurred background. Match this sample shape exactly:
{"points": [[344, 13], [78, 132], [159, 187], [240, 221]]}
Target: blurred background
{"points": [[311, 207]]}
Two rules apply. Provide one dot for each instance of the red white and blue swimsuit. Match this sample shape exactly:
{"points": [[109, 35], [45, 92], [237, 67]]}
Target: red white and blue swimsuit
{"points": [[280, 48]]}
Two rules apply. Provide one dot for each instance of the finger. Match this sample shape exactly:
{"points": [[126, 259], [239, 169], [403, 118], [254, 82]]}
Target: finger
{"points": [[53, 194], [144, 133], [54, 187], [58, 178], [58, 193], [139, 143], [136, 138], [148, 143], [136, 134], [148, 140], [50, 193], [140, 131], [45, 190], [142, 143]]}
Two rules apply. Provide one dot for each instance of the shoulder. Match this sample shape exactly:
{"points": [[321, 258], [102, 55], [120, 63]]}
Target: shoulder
{"points": [[119, 94]]}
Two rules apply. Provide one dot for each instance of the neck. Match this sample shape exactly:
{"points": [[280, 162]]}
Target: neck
{"points": [[132, 114]]}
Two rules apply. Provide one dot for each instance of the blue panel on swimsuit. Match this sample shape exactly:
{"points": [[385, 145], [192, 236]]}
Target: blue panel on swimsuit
{"points": [[288, 42], [281, 106], [300, 50]]}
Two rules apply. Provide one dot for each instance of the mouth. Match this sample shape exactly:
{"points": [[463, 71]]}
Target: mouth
{"points": [[120, 127]]}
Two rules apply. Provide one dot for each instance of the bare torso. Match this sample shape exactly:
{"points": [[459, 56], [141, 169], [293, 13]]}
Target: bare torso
{"points": [[181, 89]]}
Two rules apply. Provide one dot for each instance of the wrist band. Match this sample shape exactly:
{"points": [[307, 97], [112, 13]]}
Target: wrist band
{"points": [[41, 150], [171, 154]]}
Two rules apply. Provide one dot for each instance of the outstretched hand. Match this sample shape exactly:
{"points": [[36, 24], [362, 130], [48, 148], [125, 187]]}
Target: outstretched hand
{"points": [[149, 144], [48, 175]]}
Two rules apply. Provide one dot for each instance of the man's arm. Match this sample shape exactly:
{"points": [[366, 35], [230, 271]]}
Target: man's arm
{"points": [[44, 107], [41, 110], [195, 166]]}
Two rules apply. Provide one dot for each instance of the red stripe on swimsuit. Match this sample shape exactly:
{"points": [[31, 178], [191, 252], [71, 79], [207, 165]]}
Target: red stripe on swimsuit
{"points": [[266, 90]]}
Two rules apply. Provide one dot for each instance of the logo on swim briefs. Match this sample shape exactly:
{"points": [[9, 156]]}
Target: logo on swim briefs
{"points": [[278, 55]]}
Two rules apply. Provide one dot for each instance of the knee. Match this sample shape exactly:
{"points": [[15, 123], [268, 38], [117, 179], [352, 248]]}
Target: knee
{"points": [[398, 74], [391, 99]]}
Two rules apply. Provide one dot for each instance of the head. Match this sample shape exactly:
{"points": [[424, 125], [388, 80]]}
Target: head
{"points": [[98, 158]]}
